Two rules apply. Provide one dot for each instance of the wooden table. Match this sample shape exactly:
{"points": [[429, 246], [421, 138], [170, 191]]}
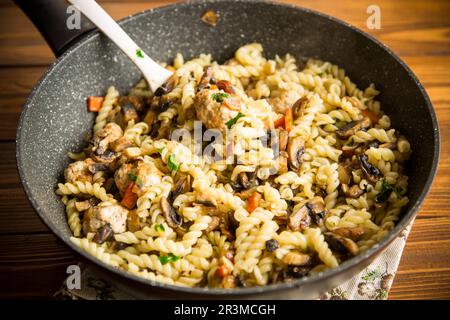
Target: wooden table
{"points": [[33, 260]]}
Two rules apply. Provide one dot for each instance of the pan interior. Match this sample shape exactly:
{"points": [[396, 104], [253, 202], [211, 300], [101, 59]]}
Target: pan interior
{"points": [[56, 121]]}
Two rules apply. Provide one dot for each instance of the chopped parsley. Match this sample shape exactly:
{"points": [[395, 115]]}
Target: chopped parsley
{"points": [[173, 166], [386, 190], [233, 121], [139, 53], [169, 258], [132, 177], [219, 96], [160, 227]]}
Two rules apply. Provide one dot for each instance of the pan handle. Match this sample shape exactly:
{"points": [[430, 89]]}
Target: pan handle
{"points": [[57, 22]]}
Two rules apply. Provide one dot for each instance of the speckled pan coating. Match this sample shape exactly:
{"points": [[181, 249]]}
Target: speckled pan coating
{"points": [[55, 120]]}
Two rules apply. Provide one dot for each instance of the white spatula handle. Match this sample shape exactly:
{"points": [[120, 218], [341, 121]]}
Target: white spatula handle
{"points": [[153, 73]]}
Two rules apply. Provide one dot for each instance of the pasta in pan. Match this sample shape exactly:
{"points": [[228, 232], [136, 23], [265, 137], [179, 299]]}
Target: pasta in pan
{"points": [[246, 173]]}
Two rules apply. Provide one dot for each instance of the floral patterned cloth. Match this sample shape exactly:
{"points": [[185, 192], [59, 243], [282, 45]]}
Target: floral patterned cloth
{"points": [[373, 283]]}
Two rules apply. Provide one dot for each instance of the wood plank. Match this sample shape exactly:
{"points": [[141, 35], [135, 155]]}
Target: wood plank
{"points": [[408, 27]]}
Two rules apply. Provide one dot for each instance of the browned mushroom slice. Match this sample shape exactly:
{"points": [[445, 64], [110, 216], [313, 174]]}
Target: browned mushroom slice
{"points": [[388, 145], [172, 218], [299, 107], [129, 112], [344, 174], [97, 167], [214, 224], [353, 191], [206, 200], [283, 138], [133, 221], [295, 150], [296, 259], [316, 209], [161, 104], [83, 205], [272, 245], [182, 185], [341, 244], [243, 180], [354, 126], [283, 162], [354, 233], [205, 80], [168, 86], [348, 151], [103, 234], [299, 219], [372, 173], [121, 144]]}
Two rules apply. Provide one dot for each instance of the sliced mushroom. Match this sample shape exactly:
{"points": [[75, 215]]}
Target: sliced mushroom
{"points": [[182, 185], [172, 218], [206, 200], [354, 233], [354, 126], [83, 205], [299, 107], [107, 157], [205, 81], [341, 244], [104, 233], [295, 150], [161, 104], [388, 145], [121, 144], [372, 173], [348, 151], [214, 224], [283, 162], [97, 167], [133, 221], [243, 180], [353, 191], [283, 138], [296, 259], [316, 209], [299, 219], [129, 113], [168, 86], [272, 245], [344, 174], [117, 245]]}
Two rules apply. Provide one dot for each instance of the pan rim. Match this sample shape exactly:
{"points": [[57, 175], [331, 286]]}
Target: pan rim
{"points": [[369, 254]]}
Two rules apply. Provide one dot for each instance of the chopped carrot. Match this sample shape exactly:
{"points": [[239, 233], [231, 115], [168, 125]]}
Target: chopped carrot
{"points": [[288, 120], [279, 122], [222, 271], [253, 201], [372, 116], [94, 103], [129, 198]]}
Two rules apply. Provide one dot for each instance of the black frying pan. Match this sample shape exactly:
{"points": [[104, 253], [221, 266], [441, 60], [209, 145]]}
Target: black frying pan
{"points": [[54, 119]]}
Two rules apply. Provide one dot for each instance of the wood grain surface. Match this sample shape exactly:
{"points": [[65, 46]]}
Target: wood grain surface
{"points": [[33, 260]]}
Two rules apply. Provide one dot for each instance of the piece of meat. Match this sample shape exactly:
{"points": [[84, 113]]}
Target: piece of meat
{"points": [[79, 171], [284, 101], [215, 114], [103, 137], [109, 213], [122, 176]]}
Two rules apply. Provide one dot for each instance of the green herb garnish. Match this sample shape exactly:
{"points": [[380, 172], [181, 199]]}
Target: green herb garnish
{"points": [[233, 121], [386, 190], [173, 166], [169, 258], [139, 53], [160, 227], [160, 150], [132, 177], [219, 96]]}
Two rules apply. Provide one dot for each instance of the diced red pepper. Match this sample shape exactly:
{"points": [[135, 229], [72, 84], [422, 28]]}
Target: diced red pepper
{"points": [[253, 201], [94, 103], [129, 198], [288, 120]]}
